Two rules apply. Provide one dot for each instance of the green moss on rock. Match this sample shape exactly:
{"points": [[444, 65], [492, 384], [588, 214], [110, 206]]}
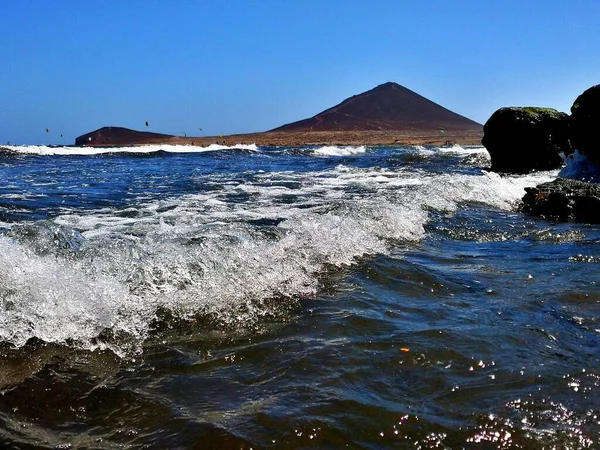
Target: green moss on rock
{"points": [[535, 112]]}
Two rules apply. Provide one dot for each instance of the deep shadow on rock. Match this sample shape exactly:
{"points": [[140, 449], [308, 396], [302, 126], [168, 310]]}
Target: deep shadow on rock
{"points": [[564, 200], [524, 139], [585, 123]]}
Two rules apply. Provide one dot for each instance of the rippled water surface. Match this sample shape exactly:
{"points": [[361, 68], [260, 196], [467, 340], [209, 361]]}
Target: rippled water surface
{"points": [[249, 297]]}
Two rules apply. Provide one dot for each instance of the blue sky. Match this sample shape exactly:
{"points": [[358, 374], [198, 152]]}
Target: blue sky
{"points": [[251, 65]]}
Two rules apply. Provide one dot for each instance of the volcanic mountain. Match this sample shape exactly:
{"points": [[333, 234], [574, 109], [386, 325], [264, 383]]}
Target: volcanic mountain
{"points": [[388, 107]]}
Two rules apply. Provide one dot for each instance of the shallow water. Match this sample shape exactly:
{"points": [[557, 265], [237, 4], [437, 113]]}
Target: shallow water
{"points": [[290, 298]]}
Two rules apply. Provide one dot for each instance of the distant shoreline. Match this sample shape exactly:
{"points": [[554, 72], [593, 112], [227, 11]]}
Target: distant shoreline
{"points": [[295, 139]]}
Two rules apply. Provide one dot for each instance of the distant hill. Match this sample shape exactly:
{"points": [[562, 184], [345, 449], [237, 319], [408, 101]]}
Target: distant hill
{"points": [[388, 107], [119, 136]]}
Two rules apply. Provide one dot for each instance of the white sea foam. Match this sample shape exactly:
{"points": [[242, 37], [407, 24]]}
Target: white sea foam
{"points": [[467, 150], [67, 150], [45, 297], [332, 150]]}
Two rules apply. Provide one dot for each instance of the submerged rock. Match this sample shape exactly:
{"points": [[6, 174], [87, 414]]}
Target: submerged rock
{"points": [[564, 200], [585, 123], [524, 139]]}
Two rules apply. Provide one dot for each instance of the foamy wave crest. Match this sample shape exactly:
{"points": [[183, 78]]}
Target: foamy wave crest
{"points": [[470, 155], [338, 151], [48, 298], [467, 150], [110, 292], [67, 150]]}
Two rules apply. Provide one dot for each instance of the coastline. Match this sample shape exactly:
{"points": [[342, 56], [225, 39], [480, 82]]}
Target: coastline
{"points": [[295, 139]]}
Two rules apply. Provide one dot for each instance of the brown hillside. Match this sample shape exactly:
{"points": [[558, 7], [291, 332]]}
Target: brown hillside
{"points": [[387, 107]]}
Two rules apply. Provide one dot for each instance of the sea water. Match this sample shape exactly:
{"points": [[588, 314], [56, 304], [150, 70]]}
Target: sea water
{"points": [[305, 297]]}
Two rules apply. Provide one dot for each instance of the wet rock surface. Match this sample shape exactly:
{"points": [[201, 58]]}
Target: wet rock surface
{"points": [[564, 200]]}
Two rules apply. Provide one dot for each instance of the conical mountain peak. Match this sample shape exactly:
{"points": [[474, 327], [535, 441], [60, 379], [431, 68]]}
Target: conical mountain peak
{"points": [[388, 107]]}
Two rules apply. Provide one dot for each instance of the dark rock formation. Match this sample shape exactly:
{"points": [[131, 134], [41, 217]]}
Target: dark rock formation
{"points": [[564, 199], [521, 140], [585, 123], [119, 136], [386, 107]]}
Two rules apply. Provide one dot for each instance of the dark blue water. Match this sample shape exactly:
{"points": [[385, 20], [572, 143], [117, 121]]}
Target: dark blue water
{"points": [[290, 298]]}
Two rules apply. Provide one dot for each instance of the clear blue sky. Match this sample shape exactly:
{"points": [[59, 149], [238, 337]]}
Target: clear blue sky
{"points": [[251, 65]]}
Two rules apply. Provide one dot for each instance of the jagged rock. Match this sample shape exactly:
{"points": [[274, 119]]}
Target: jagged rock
{"points": [[524, 139], [585, 123], [563, 200]]}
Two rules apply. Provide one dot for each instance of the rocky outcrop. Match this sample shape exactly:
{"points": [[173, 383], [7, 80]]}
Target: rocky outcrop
{"points": [[525, 139], [569, 198], [564, 200], [585, 123]]}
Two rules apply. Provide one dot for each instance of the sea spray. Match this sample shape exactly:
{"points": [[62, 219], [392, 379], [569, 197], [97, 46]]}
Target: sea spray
{"points": [[580, 167], [48, 298]]}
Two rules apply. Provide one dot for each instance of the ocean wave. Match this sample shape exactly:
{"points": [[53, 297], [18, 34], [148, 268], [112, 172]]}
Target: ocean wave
{"points": [[104, 278], [110, 289], [45, 150]]}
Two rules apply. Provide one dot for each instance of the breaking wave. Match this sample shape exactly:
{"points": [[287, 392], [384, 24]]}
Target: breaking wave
{"points": [[141, 149], [234, 253]]}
